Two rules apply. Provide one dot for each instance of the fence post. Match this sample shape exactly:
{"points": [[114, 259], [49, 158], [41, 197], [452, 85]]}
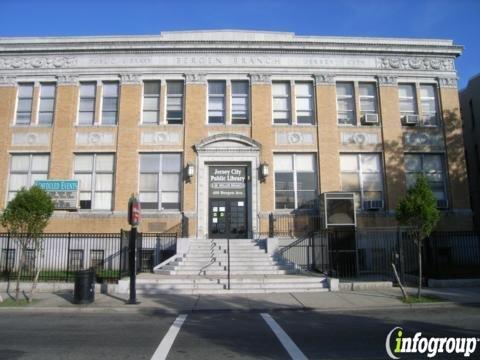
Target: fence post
{"points": [[270, 225], [68, 257], [7, 256], [312, 244], [120, 251]]}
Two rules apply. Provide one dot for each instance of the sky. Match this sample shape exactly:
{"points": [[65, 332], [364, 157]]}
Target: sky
{"points": [[446, 19]]}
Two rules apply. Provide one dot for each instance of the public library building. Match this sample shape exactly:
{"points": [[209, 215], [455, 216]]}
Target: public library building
{"points": [[221, 129]]}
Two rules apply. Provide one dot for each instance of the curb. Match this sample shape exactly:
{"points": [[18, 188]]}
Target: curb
{"points": [[129, 309]]}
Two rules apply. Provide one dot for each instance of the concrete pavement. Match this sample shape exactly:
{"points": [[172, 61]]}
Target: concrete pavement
{"points": [[387, 298]]}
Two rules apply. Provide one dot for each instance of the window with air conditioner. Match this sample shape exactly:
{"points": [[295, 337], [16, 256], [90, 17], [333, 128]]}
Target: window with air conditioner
{"points": [[362, 174], [368, 103], [408, 104]]}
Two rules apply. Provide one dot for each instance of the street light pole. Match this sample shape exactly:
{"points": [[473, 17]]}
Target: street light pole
{"points": [[134, 214]]}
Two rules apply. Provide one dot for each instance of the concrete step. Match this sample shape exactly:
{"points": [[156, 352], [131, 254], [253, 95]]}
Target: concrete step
{"points": [[153, 291]]}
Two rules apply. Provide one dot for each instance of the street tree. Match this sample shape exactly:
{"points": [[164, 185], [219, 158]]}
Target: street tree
{"points": [[418, 211], [25, 218]]}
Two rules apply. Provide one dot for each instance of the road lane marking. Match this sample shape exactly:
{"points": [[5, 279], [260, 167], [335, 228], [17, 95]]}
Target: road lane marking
{"points": [[292, 349], [167, 341]]}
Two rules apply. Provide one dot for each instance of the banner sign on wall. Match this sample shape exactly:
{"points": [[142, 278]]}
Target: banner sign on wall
{"points": [[227, 181], [64, 193]]}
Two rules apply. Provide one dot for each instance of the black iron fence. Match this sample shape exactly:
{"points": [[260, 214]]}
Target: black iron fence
{"points": [[369, 254], [62, 254], [293, 225]]}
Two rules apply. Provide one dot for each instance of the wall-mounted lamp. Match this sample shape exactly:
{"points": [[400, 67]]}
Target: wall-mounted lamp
{"points": [[264, 171], [190, 170]]}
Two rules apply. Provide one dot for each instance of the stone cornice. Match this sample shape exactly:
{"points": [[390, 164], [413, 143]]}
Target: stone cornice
{"points": [[387, 80], [324, 79], [130, 79], [195, 78], [447, 82], [228, 40], [67, 79], [259, 79], [7, 80]]}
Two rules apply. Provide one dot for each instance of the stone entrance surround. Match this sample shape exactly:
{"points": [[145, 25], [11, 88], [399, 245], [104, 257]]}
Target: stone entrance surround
{"points": [[227, 148]]}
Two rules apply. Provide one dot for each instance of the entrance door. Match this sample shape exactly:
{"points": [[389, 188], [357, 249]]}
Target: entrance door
{"points": [[227, 211], [228, 218]]}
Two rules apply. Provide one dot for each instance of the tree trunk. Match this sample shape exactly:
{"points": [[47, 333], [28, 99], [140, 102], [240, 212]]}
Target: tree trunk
{"points": [[19, 271], [34, 285], [405, 295], [419, 292]]}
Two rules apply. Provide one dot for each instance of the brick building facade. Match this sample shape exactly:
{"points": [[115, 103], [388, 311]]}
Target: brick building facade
{"points": [[284, 117]]}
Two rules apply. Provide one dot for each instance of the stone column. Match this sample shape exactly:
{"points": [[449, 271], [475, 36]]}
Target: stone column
{"points": [[127, 157], [393, 156], [327, 133], [8, 93], [63, 132], [455, 156], [264, 133], [194, 130]]}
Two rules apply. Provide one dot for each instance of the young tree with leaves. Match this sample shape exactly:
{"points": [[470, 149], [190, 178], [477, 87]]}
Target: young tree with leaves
{"points": [[418, 211], [26, 217]]}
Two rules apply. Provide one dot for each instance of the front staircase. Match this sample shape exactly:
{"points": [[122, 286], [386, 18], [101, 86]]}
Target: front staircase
{"points": [[204, 270]]}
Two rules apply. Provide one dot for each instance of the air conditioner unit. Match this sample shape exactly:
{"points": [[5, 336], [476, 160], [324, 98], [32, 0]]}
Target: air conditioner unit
{"points": [[410, 119], [442, 204], [373, 204], [370, 118]]}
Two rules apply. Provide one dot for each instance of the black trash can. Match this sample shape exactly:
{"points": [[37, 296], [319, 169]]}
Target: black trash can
{"points": [[84, 292]]}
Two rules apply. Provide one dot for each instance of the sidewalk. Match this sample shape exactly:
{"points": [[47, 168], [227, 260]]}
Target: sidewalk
{"points": [[324, 301]]}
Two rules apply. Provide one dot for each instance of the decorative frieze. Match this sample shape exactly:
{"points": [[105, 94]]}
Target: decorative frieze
{"points": [[67, 79], [450, 82], [195, 78], [324, 79], [359, 138], [294, 138], [31, 139], [387, 80], [7, 80], [160, 138], [416, 63], [95, 138], [131, 79], [257, 78], [422, 139], [36, 62]]}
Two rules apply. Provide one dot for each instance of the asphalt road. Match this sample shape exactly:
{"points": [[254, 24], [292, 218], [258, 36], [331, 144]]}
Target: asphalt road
{"points": [[224, 335]]}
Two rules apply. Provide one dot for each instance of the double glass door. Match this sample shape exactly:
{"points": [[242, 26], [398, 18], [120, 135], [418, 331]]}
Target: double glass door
{"points": [[228, 218]]}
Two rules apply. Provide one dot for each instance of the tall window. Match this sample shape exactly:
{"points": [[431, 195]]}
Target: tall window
{"points": [[75, 259], [430, 165], [24, 106], [304, 102], [362, 174], [346, 104], [160, 177], [96, 259], [175, 102], [47, 104], [368, 98], [151, 102], [86, 115], [95, 174], [295, 181], [281, 103], [408, 99], [25, 169], [240, 102], [428, 100], [216, 102], [110, 103]]}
